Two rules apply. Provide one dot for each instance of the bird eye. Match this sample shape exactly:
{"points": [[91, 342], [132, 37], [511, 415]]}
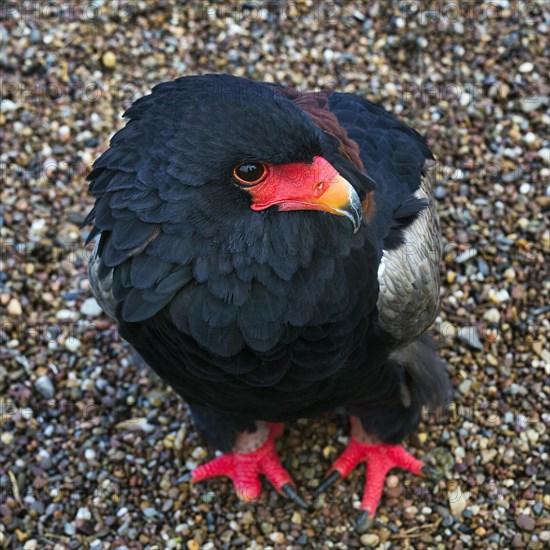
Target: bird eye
{"points": [[250, 173]]}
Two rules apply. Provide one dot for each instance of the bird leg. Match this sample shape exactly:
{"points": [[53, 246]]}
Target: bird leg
{"points": [[380, 458], [253, 454]]}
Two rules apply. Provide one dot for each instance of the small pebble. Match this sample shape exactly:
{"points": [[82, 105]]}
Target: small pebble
{"points": [[72, 344], [38, 227], [526, 67], [458, 500], [6, 437], [466, 256], [392, 481], [488, 455], [109, 60], [464, 386], [66, 315], [89, 454], [526, 523], [84, 514], [277, 537], [469, 335], [370, 539], [14, 308], [64, 133], [44, 386], [90, 308], [544, 154], [296, 518], [492, 315]]}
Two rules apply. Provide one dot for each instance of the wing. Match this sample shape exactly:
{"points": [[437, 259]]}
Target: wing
{"points": [[399, 206], [408, 275], [405, 220]]}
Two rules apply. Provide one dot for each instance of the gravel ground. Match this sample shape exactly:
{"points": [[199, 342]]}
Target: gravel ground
{"points": [[92, 442]]}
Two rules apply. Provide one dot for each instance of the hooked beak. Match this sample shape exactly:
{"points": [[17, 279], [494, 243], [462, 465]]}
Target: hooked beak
{"points": [[316, 186]]}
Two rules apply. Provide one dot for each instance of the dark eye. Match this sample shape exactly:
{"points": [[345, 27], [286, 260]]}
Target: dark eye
{"points": [[250, 173]]}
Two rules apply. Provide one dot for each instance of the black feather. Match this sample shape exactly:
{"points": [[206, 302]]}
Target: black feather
{"points": [[256, 315], [147, 271], [130, 234], [403, 216]]}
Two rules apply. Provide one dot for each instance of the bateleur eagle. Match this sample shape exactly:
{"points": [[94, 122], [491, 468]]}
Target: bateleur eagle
{"points": [[272, 255]]}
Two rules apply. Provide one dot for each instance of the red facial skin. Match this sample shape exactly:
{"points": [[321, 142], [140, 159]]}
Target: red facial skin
{"points": [[301, 186]]}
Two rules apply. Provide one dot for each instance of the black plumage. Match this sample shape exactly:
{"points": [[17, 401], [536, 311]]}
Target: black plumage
{"points": [[253, 315]]}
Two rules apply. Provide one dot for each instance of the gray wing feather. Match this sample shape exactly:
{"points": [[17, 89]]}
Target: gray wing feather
{"points": [[409, 275], [101, 287]]}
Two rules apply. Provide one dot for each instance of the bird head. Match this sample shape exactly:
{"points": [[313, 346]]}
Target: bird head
{"points": [[225, 183], [247, 147]]}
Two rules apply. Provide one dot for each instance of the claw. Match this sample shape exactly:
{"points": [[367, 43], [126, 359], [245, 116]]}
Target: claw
{"points": [[294, 495], [380, 458], [184, 478], [332, 478], [431, 473], [244, 470], [364, 521]]}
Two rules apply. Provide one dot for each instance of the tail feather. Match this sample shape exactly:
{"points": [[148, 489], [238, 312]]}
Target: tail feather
{"points": [[427, 381]]}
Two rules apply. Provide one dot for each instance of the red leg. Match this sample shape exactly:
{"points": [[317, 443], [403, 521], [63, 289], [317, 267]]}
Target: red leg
{"points": [[244, 469], [380, 458]]}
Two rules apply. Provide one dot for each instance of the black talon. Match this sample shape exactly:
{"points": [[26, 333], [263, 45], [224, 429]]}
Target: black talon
{"points": [[184, 478], [364, 522], [333, 477], [293, 495], [431, 473]]}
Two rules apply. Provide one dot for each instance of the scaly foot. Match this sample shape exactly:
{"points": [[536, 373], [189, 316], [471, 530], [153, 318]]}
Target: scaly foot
{"points": [[380, 458], [244, 466]]}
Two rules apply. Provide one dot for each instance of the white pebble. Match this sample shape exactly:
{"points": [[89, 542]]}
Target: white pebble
{"points": [[64, 132], [66, 315], [544, 154], [503, 295], [488, 455], [328, 55], [89, 454], [492, 315], [14, 308], [72, 344], [83, 513], [465, 99], [526, 67], [460, 452], [90, 307], [38, 227], [8, 105], [524, 188], [370, 539], [457, 500], [95, 121]]}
